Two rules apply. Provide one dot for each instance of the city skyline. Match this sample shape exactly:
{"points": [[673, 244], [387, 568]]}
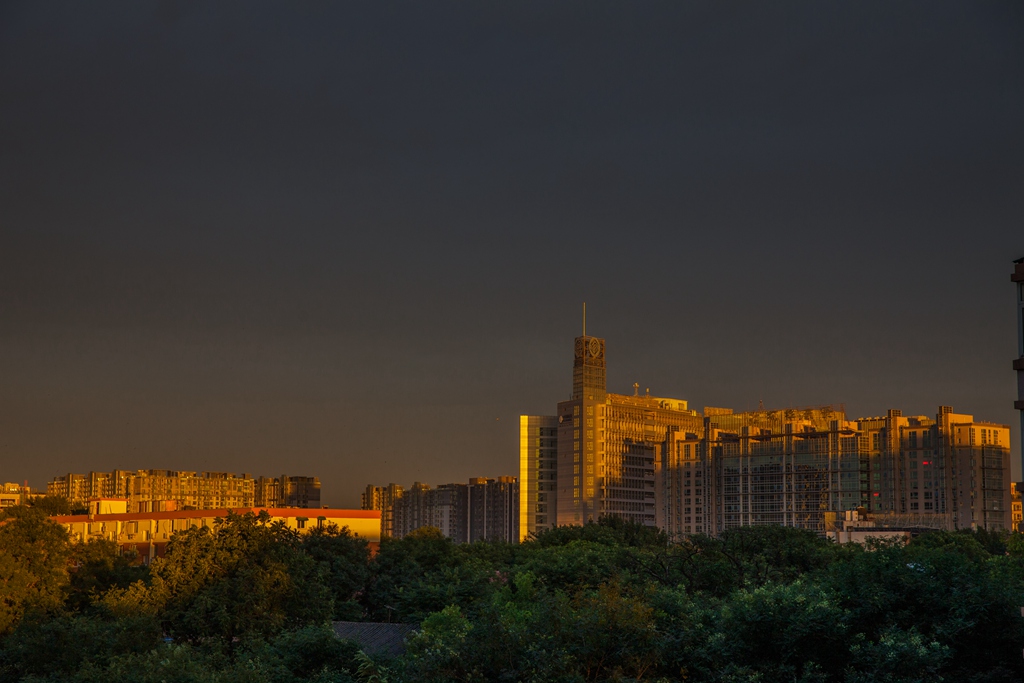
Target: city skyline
{"points": [[399, 476], [577, 382], [355, 248]]}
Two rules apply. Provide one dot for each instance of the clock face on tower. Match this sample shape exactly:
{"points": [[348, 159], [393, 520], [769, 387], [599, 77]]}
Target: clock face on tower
{"points": [[595, 347]]}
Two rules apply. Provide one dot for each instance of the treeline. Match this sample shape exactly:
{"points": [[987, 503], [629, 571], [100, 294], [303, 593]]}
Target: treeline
{"points": [[252, 601]]}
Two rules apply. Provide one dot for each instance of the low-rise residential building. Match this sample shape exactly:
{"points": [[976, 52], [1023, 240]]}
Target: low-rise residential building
{"points": [[148, 533], [12, 494]]}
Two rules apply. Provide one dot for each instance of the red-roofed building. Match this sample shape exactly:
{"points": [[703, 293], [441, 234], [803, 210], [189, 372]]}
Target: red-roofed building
{"points": [[148, 533]]}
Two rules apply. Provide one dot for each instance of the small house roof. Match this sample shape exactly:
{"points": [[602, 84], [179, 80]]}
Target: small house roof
{"points": [[375, 638]]}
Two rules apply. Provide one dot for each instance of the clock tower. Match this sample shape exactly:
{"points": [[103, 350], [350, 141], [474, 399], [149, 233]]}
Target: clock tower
{"points": [[580, 433], [588, 371]]}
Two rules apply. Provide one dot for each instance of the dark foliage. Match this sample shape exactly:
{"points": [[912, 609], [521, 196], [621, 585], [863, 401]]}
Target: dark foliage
{"points": [[250, 600]]}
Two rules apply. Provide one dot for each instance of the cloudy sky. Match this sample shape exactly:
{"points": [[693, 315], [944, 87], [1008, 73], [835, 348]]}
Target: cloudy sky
{"points": [[352, 239]]}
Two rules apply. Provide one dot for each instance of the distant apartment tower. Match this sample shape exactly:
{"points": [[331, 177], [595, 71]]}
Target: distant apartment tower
{"points": [[149, 490], [493, 509], [1016, 506], [448, 507], [1018, 279], [538, 474], [382, 498], [300, 492], [285, 491], [412, 510], [486, 509]]}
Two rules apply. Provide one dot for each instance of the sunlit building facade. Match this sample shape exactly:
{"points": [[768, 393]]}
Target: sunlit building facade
{"points": [[1018, 364], [147, 490], [148, 533], [286, 491], [12, 494], [656, 462], [608, 443], [538, 473]]}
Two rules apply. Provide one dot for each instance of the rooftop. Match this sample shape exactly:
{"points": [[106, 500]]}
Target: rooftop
{"points": [[375, 638]]}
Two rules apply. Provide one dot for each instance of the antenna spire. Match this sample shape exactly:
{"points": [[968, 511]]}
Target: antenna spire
{"points": [[584, 318]]}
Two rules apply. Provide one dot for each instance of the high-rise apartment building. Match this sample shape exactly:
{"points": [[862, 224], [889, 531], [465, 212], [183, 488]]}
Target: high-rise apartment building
{"points": [[538, 473], [978, 462], [448, 505], [149, 490], [654, 461], [382, 498], [486, 509], [493, 509], [412, 511], [1016, 506], [1018, 280]]}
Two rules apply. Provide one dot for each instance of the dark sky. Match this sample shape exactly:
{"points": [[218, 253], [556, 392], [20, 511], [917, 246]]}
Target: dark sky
{"points": [[352, 239]]}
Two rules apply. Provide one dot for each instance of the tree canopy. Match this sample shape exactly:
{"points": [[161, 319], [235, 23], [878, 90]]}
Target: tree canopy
{"points": [[609, 601]]}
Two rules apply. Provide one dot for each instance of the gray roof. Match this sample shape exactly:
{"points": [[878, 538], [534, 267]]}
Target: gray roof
{"points": [[375, 638]]}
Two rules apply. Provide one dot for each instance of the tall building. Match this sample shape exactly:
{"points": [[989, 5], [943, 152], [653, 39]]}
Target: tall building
{"points": [[656, 462], [382, 498], [1018, 279], [148, 490], [486, 509], [285, 491], [412, 510], [1016, 506], [300, 492], [538, 473], [607, 443], [494, 509], [448, 507], [979, 463]]}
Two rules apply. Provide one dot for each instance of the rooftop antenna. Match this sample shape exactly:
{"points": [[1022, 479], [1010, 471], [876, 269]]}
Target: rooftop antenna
{"points": [[584, 318]]}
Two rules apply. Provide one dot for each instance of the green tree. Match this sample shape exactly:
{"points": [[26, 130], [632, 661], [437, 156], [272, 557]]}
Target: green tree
{"points": [[346, 563], [245, 576], [399, 571], [436, 652], [897, 657], [34, 555], [57, 646], [52, 505], [784, 631], [96, 567]]}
